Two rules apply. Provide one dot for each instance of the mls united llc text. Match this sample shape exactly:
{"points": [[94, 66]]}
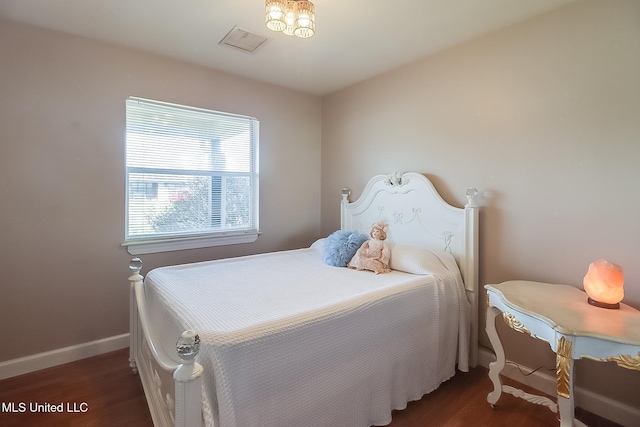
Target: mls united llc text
{"points": [[21, 407]]}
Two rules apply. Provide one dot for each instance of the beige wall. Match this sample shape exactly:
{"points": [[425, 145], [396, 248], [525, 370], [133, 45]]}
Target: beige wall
{"points": [[62, 127], [544, 119]]}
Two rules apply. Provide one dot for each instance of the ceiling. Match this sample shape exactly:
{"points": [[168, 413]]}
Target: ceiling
{"points": [[354, 40]]}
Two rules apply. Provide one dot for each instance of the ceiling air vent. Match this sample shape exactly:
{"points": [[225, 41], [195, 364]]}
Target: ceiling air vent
{"points": [[243, 40]]}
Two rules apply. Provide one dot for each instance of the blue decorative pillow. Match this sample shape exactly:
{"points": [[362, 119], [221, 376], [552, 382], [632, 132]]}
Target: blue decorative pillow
{"points": [[341, 246]]}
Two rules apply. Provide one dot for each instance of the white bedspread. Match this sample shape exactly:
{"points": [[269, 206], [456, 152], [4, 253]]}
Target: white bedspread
{"points": [[290, 341]]}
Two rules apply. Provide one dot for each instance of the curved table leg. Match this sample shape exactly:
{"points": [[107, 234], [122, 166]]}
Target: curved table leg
{"points": [[495, 367]]}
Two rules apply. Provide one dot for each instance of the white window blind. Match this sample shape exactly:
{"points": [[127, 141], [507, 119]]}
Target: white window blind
{"points": [[190, 172]]}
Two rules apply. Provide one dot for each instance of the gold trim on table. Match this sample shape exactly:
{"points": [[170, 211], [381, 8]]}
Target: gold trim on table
{"points": [[514, 323], [626, 361], [622, 360], [563, 366]]}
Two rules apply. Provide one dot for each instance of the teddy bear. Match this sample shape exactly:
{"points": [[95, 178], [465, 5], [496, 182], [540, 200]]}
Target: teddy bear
{"points": [[374, 254]]}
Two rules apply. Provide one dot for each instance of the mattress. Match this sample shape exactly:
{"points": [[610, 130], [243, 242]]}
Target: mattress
{"points": [[289, 341]]}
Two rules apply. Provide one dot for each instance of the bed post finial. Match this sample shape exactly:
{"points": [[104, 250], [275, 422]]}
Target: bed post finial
{"points": [[343, 207], [188, 346], [472, 193], [345, 193], [188, 381], [135, 266]]}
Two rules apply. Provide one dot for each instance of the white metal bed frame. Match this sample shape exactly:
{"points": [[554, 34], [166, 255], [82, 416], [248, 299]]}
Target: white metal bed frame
{"points": [[415, 214]]}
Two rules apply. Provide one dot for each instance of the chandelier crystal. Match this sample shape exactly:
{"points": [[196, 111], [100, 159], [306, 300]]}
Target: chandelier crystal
{"points": [[291, 17]]}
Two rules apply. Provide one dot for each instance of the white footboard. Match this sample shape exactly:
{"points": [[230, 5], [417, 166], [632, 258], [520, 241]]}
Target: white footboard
{"points": [[173, 390]]}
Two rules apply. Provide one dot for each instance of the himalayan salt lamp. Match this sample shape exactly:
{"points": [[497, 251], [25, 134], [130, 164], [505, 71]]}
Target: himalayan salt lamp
{"points": [[604, 283]]}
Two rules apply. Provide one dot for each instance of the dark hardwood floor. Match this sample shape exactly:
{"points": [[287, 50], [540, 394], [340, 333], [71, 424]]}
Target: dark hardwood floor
{"points": [[112, 393], [102, 391]]}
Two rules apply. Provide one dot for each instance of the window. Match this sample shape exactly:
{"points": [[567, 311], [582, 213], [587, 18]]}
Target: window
{"points": [[192, 177]]}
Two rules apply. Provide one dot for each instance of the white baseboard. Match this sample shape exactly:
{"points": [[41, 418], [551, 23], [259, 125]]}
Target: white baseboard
{"points": [[35, 362], [603, 406]]}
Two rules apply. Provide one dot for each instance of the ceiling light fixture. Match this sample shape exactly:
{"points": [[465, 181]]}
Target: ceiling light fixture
{"points": [[292, 17]]}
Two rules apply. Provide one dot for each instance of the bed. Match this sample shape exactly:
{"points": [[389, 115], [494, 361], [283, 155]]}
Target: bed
{"points": [[283, 339]]}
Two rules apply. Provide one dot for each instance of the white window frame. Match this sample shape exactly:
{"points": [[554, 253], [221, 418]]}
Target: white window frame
{"points": [[164, 243]]}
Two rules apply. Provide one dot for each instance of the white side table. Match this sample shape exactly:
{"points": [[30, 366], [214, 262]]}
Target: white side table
{"points": [[561, 316]]}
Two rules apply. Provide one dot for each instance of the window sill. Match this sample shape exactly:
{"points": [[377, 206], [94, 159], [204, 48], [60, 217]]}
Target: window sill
{"points": [[140, 247]]}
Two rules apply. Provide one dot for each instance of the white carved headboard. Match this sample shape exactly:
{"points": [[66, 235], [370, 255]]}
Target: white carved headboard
{"points": [[416, 214]]}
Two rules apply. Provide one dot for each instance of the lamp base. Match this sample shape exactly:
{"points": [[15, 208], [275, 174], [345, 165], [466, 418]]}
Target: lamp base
{"points": [[603, 304]]}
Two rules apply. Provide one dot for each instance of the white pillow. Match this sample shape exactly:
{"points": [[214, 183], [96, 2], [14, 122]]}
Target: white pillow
{"points": [[318, 244], [418, 259]]}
